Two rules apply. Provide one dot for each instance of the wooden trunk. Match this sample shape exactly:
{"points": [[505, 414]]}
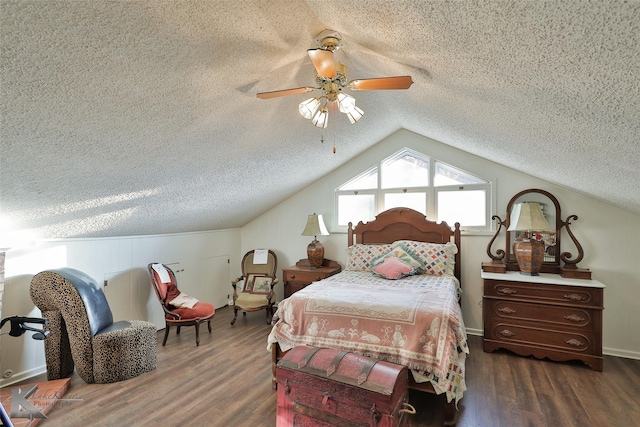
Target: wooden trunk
{"points": [[322, 387]]}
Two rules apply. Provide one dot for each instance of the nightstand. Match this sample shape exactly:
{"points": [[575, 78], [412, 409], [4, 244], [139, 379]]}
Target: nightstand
{"points": [[300, 275], [544, 316]]}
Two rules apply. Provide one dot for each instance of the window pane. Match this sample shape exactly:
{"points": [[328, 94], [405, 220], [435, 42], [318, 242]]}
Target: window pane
{"points": [[448, 175], [468, 207], [405, 170], [355, 208], [415, 201], [366, 181]]}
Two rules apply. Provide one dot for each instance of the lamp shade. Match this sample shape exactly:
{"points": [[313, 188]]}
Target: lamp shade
{"points": [[315, 226], [315, 250], [528, 217]]}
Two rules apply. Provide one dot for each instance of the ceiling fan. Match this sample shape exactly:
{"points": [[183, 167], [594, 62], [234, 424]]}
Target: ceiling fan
{"points": [[332, 79]]}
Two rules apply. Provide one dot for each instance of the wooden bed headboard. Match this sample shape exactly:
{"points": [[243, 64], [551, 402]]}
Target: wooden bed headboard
{"points": [[404, 224]]}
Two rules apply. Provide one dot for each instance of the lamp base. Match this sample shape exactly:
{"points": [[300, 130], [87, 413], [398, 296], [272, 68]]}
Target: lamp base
{"points": [[315, 254], [529, 254]]}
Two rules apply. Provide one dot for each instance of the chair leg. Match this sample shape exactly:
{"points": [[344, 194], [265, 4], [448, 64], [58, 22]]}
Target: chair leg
{"points": [[166, 334], [197, 325], [268, 310], [235, 315], [209, 324], [178, 330]]}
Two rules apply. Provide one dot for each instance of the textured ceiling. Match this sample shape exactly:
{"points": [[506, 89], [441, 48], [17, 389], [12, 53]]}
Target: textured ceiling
{"points": [[140, 117]]}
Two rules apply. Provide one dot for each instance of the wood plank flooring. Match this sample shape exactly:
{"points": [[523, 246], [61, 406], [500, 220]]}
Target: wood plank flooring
{"points": [[227, 382]]}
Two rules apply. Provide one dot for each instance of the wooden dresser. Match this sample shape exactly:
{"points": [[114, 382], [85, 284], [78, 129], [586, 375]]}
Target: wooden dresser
{"points": [[544, 316], [300, 275]]}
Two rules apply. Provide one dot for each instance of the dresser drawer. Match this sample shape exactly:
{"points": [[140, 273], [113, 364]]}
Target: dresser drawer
{"points": [[540, 337], [541, 314], [542, 293]]}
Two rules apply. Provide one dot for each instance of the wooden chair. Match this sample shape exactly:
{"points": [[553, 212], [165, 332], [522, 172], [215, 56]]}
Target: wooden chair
{"points": [[166, 289], [256, 286]]}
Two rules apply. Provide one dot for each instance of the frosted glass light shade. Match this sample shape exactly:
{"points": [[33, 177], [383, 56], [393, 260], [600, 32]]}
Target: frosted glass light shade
{"points": [[355, 114], [309, 107], [346, 102], [321, 118]]}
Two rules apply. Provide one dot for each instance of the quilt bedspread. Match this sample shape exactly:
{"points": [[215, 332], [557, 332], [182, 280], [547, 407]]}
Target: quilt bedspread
{"points": [[415, 322]]}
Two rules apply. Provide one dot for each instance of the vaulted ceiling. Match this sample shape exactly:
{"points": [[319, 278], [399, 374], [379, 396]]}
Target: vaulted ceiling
{"points": [[141, 117]]}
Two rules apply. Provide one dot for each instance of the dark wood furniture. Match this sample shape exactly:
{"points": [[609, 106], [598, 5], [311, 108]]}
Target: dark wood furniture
{"points": [[544, 316], [389, 226], [504, 260], [324, 386], [302, 274]]}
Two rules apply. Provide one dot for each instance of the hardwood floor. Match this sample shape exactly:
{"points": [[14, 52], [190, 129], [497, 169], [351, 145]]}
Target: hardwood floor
{"points": [[227, 382]]}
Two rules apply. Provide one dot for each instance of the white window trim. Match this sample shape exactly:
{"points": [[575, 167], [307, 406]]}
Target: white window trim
{"points": [[430, 191]]}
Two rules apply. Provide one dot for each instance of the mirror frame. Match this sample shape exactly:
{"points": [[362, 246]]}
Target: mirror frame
{"points": [[503, 261]]}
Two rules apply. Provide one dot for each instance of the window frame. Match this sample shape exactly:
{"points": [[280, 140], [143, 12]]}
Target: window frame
{"points": [[431, 193]]}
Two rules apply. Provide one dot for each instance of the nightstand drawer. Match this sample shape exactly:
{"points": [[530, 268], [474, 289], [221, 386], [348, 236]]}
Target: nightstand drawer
{"points": [[586, 343], [297, 277], [541, 314], [303, 276], [541, 293]]}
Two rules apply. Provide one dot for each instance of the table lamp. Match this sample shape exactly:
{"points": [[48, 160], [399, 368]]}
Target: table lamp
{"points": [[529, 252], [315, 251]]}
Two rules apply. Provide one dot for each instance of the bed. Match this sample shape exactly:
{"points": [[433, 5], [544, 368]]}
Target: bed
{"points": [[407, 313]]}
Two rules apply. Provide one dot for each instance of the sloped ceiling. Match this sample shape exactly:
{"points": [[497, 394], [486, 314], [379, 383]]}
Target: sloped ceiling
{"points": [[141, 117]]}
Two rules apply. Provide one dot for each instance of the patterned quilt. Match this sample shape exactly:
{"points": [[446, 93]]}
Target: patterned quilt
{"points": [[415, 322]]}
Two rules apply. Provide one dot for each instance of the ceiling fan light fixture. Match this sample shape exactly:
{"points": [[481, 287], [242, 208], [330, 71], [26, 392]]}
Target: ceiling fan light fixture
{"points": [[321, 118], [309, 107], [346, 102], [355, 114]]}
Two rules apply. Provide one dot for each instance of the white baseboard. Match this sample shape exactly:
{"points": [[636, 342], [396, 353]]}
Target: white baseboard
{"points": [[22, 376], [621, 353], [473, 331]]}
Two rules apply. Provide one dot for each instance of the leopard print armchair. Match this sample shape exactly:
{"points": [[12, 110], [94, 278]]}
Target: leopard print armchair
{"points": [[82, 331]]}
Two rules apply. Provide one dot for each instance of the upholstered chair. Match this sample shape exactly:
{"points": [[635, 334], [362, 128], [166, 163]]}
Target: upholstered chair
{"points": [[256, 284], [83, 334], [178, 313]]}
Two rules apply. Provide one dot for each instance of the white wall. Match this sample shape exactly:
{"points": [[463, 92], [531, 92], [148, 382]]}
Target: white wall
{"points": [[609, 236], [205, 273]]}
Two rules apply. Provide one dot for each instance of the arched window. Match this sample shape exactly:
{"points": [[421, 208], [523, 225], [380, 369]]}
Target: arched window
{"points": [[407, 178]]}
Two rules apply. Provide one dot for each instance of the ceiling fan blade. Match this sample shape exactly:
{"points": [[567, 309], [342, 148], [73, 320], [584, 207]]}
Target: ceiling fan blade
{"points": [[382, 83], [285, 92], [323, 62]]}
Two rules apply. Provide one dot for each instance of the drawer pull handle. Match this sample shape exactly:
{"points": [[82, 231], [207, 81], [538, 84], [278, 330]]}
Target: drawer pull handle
{"points": [[574, 318], [574, 342], [317, 278], [293, 276], [575, 297], [506, 310], [507, 333], [506, 291]]}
